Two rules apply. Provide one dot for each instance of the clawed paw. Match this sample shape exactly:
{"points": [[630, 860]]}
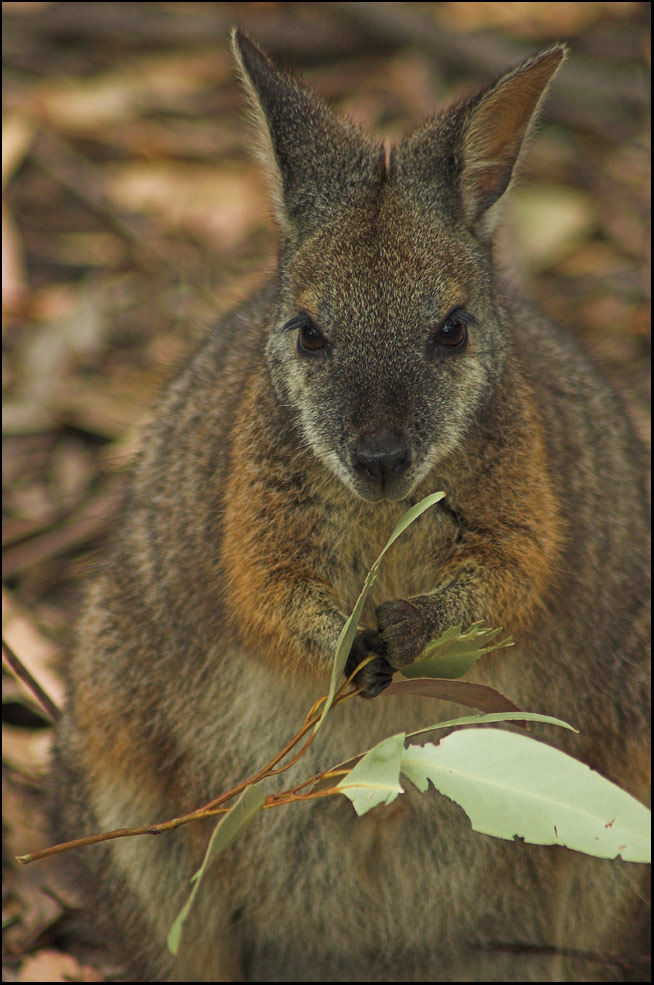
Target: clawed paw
{"points": [[378, 673], [403, 630]]}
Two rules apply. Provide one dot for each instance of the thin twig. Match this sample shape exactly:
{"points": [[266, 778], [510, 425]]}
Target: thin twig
{"points": [[568, 952], [146, 829], [214, 807], [269, 768], [21, 671], [86, 522]]}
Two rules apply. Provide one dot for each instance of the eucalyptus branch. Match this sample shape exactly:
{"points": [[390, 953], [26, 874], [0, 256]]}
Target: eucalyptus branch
{"points": [[214, 807]]}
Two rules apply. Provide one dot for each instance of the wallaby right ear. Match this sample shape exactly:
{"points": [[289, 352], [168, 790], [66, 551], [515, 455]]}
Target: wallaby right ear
{"points": [[496, 129], [476, 144], [316, 162]]}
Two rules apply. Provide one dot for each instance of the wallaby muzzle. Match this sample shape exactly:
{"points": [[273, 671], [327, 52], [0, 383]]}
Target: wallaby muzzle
{"points": [[382, 457]]}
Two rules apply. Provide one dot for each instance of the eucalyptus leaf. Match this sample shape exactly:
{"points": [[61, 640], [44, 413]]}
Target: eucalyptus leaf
{"points": [[517, 717], [511, 786], [462, 692], [376, 777], [348, 631], [229, 827], [455, 652]]}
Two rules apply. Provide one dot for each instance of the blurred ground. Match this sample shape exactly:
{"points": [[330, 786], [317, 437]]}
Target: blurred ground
{"points": [[133, 216]]}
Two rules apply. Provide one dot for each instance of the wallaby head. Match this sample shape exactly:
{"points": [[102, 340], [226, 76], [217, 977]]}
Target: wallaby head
{"points": [[387, 340]]}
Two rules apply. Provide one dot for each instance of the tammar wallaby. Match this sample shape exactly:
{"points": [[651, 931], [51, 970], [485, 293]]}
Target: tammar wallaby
{"points": [[383, 361]]}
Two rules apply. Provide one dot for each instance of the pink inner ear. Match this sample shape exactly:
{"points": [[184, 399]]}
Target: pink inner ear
{"points": [[487, 180], [496, 130]]}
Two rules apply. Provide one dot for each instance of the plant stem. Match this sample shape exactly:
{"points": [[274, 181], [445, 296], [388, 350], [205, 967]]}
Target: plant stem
{"points": [[213, 808]]}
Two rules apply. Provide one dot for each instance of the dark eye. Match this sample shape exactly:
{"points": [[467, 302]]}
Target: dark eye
{"points": [[452, 333], [310, 338]]}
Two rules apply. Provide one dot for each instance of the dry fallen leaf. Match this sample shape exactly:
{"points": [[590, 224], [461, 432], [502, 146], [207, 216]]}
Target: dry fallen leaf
{"points": [[53, 966], [527, 19], [14, 277], [17, 135], [223, 206], [551, 222]]}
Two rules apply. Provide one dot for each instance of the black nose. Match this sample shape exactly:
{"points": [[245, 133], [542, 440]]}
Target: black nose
{"points": [[381, 455]]}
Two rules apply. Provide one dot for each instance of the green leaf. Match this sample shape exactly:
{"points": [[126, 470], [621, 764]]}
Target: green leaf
{"points": [[175, 933], [455, 652], [226, 831], [511, 785], [502, 716], [346, 637], [376, 777], [516, 716]]}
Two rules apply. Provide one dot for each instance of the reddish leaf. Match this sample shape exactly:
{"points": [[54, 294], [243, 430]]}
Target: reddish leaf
{"points": [[462, 692]]}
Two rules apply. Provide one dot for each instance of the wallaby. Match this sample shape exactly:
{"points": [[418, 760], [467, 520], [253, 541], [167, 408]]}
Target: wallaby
{"points": [[383, 361]]}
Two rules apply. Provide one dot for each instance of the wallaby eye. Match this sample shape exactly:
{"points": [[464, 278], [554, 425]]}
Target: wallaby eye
{"points": [[452, 332], [310, 338]]}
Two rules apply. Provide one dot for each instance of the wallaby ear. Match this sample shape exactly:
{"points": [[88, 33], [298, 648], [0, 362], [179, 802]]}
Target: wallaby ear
{"points": [[480, 140], [496, 130], [316, 162]]}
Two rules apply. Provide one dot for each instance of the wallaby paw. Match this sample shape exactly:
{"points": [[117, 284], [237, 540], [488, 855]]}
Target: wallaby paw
{"points": [[403, 630], [376, 675]]}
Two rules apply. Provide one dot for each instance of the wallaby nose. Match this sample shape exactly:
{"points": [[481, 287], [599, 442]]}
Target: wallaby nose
{"points": [[381, 455]]}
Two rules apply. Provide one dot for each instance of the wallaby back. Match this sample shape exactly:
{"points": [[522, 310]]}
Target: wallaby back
{"points": [[382, 362]]}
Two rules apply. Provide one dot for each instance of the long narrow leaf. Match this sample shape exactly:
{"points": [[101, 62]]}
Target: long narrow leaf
{"points": [[349, 629], [228, 828], [503, 716], [466, 693]]}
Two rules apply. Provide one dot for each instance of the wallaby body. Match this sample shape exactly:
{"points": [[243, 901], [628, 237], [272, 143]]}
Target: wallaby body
{"points": [[379, 365]]}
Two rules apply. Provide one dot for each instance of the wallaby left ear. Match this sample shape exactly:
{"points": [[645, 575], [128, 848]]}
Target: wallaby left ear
{"points": [[467, 156], [316, 163]]}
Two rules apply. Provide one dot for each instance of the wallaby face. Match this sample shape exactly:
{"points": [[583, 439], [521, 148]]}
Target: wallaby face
{"points": [[383, 348], [387, 341]]}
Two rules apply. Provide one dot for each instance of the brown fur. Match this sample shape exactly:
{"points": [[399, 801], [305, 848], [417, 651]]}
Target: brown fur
{"points": [[274, 471]]}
